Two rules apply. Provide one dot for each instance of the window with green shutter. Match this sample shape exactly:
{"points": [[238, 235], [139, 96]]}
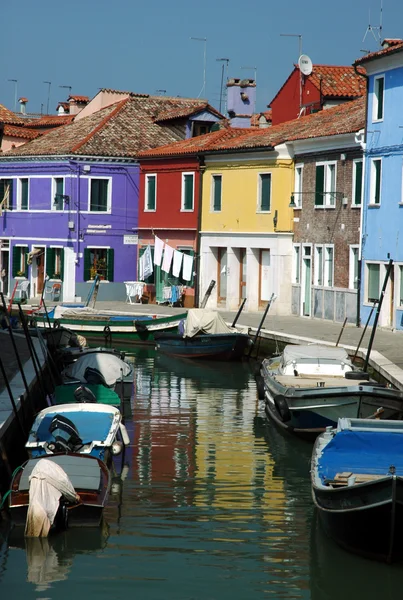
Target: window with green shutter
{"points": [[99, 261], [319, 185], [187, 191], [24, 194], [373, 271], [58, 186], [110, 264], [379, 87], [6, 194], [217, 192], [99, 195], [264, 191], [357, 183], [377, 167], [150, 203], [20, 261], [55, 263]]}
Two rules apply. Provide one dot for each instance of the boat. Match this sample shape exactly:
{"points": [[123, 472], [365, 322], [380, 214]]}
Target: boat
{"points": [[308, 387], [70, 393], [90, 429], [110, 326], [204, 335], [101, 368], [357, 486], [75, 486]]}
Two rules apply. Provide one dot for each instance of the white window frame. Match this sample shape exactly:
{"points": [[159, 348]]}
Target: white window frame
{"points": [[373, 179], [326, 272], [183, 209], [319, 265], [328, 193], [400, 294], [212, 190], [259, 192], [19, 194], [296, 264], [147, 177], [351, 266], [108, 200], [354, 204], [298, 182], [375, 103], [367, 263]]}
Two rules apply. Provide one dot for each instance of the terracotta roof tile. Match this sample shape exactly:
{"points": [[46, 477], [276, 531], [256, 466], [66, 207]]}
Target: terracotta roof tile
{"points": [[79, 98], [348, 117], [121, 129], [182, 112], [7, 116], [21, 132], [51, 121], [389, 47], [254, 122]]}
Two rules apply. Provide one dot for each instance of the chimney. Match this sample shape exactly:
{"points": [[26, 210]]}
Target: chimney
{"points": [[77, 103], [241, 100], [23, 105]]}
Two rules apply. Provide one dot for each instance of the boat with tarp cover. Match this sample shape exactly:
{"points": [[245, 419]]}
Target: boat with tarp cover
{"points": [[357, 486], [309, 387], [204, 334]]}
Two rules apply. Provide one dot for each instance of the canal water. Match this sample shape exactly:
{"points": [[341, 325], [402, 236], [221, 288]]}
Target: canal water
{"points": [[209, 503]]}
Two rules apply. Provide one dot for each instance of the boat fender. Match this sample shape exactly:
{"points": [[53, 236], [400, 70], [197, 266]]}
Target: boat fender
{"points": [[361, 375], [261, 393], [56, 324], [282, 407], [140, 326]]}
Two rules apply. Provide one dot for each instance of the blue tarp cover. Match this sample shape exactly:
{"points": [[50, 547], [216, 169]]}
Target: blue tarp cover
{"points": [[362, 452], [90, 426]]}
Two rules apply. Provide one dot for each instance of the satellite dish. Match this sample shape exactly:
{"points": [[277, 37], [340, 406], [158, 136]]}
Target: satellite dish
{"points": [[305, 64]]}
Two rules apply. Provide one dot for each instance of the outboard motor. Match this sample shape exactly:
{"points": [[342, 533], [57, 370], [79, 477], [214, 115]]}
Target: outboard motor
{"points": [[94, 376], [66, 438], [84, 395]]}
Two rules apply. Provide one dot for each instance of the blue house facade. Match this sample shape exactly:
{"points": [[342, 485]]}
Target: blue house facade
{"points": [[382, 217]]}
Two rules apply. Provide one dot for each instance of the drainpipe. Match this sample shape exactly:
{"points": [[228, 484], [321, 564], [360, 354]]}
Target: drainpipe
{"points": [[363, 143], [198, 243]]}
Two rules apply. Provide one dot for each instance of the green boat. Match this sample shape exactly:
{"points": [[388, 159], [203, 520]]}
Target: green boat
{"points": [[64, 394], [109, 326]]}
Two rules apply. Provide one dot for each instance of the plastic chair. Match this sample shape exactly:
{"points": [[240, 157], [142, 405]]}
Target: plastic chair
{"points": [[134, 289], [22, 291], [53, 291]]}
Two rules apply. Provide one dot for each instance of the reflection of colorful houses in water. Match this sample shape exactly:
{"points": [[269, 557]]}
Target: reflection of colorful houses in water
{"points": [[164, 438], [234, 470]]}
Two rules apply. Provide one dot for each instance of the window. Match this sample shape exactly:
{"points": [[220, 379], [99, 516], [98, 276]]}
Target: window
{"points": [[318, 265], [187, 191], [296, 268], [298, 186], [401, 285], [99, 195], [353, 268], [200, 129], [22, 198], [6, 194], [373, 274], [379, 89], [328, 266], [216, 192], [325, 185], [151, 192], [357, 182], [55, 263], [58, 193], [264, 197], [376, 176], [98, 261], [20, 261]]}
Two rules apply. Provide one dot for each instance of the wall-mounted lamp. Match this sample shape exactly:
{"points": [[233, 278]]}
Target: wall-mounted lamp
{"points": [[275, 219], [292, 202], [63, 197], [81, 236]]}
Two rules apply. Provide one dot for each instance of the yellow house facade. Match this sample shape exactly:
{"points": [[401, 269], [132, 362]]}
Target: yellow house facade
{"points": [[246, 228]]}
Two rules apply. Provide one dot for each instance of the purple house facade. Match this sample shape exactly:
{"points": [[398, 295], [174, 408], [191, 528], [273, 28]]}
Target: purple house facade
{"points": [[69, 200]]}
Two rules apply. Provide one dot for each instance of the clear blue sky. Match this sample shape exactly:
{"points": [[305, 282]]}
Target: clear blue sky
{"points": [[144, 46]]}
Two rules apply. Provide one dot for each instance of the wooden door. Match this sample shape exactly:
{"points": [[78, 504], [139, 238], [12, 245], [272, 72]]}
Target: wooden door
{"points": [[40, 278], [222, 274], [264, 295], [242, 274]]}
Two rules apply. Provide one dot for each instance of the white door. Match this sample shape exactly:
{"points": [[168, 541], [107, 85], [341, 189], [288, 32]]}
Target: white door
{"points": [[69, 277], [265, 276]]}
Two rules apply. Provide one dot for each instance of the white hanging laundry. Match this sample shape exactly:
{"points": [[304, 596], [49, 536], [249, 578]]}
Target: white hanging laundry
{"points": [[141, 268], [167, 260], [147, 263], [187, 270], [176, 267], [158, 248]]}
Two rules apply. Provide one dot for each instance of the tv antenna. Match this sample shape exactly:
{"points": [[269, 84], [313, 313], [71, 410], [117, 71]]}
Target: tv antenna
{"points": [[376, 31]]}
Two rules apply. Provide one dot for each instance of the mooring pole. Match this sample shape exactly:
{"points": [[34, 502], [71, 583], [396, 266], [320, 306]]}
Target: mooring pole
{"points": [[33, 353], [365, 329], [238, 313], [341, 331], [371, 340], [207, 294], [13, 404], [266, 310]]}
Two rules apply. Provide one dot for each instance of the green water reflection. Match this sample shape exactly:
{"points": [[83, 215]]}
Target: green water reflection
{"points": [[212, 504]]}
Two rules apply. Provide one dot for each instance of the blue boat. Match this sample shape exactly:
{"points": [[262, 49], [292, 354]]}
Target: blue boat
{"points": [[357, 485], [90, 429], [204, 334]]}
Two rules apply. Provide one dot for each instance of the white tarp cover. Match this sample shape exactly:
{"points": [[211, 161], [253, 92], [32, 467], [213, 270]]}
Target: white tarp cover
{"points": [[47, 483], [111, 367], [314, 352], [200, 320]]}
